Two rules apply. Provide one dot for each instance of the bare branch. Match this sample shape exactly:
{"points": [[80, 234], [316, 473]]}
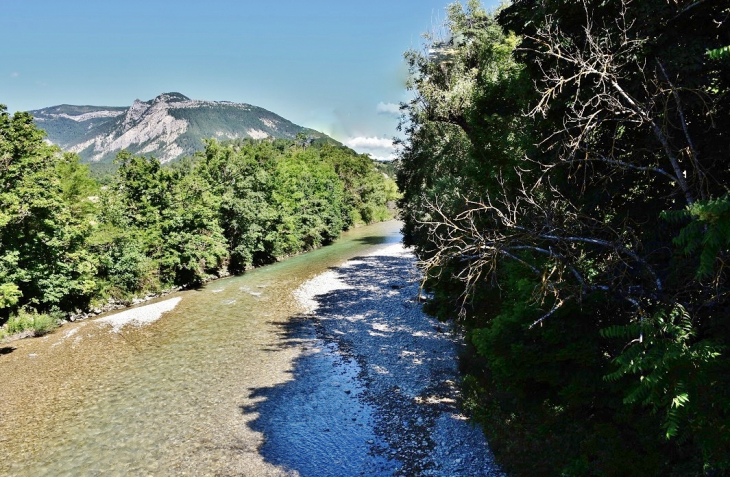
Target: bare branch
{"points": [[686, 9], [603, 64], [621, 164], [550, 313]]}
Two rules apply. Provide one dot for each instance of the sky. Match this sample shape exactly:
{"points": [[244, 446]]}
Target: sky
{"points": [[332, 65]]}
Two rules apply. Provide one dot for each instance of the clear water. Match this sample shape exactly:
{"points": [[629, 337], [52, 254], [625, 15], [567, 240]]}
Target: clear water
{"points": [[186, 395]]}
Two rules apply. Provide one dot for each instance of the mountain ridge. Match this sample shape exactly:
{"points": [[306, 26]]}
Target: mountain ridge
{"points": [[169, 126]]}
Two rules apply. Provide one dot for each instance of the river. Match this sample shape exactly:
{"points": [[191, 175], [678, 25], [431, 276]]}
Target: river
{"points": [[224, 384]]}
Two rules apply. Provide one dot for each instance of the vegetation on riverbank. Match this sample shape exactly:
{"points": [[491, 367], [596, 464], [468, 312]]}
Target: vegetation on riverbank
{"points": [[565, 179], [68, 243]]}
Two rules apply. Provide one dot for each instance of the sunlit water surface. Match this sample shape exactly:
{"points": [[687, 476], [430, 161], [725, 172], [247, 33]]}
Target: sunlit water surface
{"points": [[178, 396]]}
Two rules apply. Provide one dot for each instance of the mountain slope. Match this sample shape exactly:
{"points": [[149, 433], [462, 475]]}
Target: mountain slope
{"points": [[167, 127]]}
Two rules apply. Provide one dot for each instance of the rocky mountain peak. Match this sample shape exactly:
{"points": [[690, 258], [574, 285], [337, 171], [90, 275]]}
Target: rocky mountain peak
{"points": [[170, 98], [167, 127], [135, 112]]}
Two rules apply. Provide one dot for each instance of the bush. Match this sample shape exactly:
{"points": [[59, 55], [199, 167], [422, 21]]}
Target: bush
{"points": [[38, 323], [19, 323]]}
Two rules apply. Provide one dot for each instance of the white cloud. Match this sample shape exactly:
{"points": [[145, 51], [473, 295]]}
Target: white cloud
{"points": [[370, 143], [388, 108], [389, 157], [14, 74], [379, 148]]}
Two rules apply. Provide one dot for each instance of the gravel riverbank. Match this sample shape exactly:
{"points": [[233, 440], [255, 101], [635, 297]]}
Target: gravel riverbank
{"points": [[377, 391], [308, 367]]}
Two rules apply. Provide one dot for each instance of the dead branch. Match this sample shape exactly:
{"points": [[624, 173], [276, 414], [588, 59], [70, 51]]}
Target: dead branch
{"points": [[604, 66]]}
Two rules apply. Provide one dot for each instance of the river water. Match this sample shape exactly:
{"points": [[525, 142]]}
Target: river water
{"points": [[180, 396]]}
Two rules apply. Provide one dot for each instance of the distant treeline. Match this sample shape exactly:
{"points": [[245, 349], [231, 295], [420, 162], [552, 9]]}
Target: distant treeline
{"points": [[68, 242]]}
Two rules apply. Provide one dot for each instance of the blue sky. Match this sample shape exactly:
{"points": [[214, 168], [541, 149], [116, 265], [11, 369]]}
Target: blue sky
{"points": [[335, 66]]}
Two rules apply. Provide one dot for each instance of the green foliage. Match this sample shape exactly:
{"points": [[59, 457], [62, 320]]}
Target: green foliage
{"points": [[19, 323], [719, 53], [125, 265], [671, 364], [241, 178], [387, 167], [102, 173], [9, 295], [707, 233], [38, 324], [67, 241], [194, 243], [40, 238], [564, 178], [310, 196]]}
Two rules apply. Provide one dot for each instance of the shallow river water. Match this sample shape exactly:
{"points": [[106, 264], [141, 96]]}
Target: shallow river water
{"points": [[181, 396]]}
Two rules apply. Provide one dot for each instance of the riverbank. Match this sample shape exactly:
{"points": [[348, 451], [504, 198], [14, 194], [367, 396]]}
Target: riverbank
{"points": [[241, 378], [164, 398], [377, 392], [112, 305]]}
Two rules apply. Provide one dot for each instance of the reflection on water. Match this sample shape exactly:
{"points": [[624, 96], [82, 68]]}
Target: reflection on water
{"points": [[165, 398]]}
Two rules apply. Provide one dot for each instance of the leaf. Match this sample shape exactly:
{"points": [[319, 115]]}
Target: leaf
{"points": [[719, 53]]}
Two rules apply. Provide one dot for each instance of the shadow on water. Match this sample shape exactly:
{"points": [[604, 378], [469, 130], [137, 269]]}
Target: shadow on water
{"points": [[376, 240], [323, 421], [316, 423]]}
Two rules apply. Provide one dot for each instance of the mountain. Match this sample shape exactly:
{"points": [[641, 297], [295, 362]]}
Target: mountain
{"points": [[168, 127]]}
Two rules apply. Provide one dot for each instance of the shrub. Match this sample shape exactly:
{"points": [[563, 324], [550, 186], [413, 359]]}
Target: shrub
{"points": [[38, 323]]}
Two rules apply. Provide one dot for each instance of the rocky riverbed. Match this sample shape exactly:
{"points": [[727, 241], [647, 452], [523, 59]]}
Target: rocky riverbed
{"points": [[319, 365], [377, 391]]}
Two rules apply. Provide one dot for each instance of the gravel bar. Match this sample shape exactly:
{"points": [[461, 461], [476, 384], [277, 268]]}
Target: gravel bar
{"points": [[139, 316], [378, 358]]}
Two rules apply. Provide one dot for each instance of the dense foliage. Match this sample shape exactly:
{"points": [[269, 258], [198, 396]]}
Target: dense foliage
{"points": [[67, 242], [565, 179]]}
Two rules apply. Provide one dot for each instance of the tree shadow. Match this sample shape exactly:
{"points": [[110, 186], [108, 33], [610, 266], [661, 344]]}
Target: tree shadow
{"points": [[374, 240], [316, 423], [328, 420]]}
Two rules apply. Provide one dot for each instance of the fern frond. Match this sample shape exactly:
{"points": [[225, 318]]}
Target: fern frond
{"points": [[719, 53]]}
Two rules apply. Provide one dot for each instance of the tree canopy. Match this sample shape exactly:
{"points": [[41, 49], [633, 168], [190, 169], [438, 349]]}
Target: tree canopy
{"points": [[565, 184], [69, 243]]}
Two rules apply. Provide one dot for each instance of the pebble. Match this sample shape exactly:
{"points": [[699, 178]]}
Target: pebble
{"points": [[361, 294]]}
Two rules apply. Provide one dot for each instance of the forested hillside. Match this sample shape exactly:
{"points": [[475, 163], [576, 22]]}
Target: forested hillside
{"points": [[67, 243], [565, 178]]}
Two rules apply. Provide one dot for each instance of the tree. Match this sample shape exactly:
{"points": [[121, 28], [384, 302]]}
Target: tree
{"points": [[310, 197], [561, 163], [42, 262]]}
